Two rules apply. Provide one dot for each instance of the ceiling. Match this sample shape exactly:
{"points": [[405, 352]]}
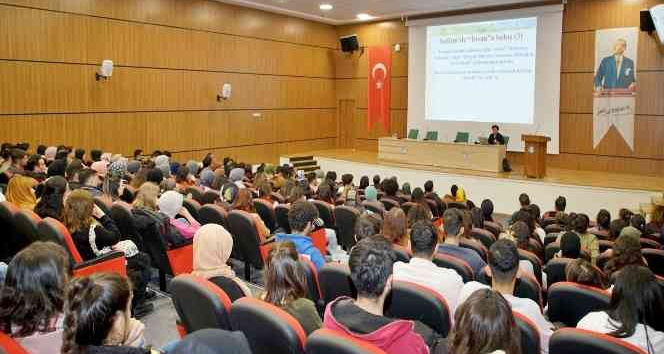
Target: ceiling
{"points": [[345, 11]]}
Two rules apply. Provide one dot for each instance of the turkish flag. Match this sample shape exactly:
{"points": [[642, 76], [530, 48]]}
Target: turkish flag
{"points": [[380, 70]]}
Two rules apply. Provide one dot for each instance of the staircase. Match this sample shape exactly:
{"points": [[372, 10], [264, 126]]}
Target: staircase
{"points": [[304, 163]]}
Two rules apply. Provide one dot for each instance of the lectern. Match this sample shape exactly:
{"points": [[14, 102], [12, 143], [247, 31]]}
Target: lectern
{"points": [[534, 160]]}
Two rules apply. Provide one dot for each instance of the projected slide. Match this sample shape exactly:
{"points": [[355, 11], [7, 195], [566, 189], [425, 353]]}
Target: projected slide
{"points": [[482, 71]]}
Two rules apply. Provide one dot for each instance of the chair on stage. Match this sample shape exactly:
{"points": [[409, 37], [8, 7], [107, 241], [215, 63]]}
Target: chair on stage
{"points": [[462, 137], [432, 135]]}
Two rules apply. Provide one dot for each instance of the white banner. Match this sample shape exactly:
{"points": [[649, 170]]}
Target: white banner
{"points": [[615, 83]]}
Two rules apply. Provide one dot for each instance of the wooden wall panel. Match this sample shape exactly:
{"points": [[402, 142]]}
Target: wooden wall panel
{"points": [[171, 58], [202, 15], [580, 20]]}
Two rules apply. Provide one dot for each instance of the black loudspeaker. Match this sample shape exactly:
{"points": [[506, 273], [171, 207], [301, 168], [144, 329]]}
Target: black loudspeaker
{"points": [[349, 43], [647, 24]]}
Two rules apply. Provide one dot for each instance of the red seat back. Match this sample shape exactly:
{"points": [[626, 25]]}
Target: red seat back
{"points": [[574, 340], [10, 346], [569, 302], [335, 281], [200, 303], [181, 259], [326, 341], [269, 329], [411, 301], [462, 267], [530, 337], [26, 222]]}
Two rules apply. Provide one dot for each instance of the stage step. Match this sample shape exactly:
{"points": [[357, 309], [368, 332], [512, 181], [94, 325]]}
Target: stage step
{"points": [[304, 163], [301, 158]]}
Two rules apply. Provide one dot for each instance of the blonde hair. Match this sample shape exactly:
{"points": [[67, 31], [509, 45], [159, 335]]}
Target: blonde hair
{"points": [[147, 196], [78, 210]]}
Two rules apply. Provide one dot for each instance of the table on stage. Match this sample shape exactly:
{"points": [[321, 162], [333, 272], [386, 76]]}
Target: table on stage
{"points": [[439, 154]]}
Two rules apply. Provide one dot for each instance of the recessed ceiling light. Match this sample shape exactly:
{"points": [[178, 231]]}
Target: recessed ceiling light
{"points": [[364, 17], [325, 7]]}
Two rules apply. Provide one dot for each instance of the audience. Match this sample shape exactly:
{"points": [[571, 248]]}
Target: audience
{"points": [[212, 250], [589, 242], [570, 246], [487, 210], [484, 324], [32, 298], [367, 226], [421, 270], [371, 262], [301, 219], [452, 221], [286, 286], [635, 312], [245, 202], [97, 315], [626, 251], [504, 266]]}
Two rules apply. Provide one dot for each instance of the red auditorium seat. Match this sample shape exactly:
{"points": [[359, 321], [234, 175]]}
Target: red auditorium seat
{"points": [[313, 285], [212, 214], [569, 302], [389, 203], [266, 212], [655, 259], [486, 237], [193, 207], [335, 281], [374, 207], [462, 267], [210, 197], [530, 336], [11, 241], [476, 246], [9, 346], [406, 207], [269, 329], [281, 212], [326, 341], [196, 193], [247, 241], [410, 301], [114, 261], [325, 212], [26, 222], [493, 227], [574, 341], [345, 219], [200, 303]]}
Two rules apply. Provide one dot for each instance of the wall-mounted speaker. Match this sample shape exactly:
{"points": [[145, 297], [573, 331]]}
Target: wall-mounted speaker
{"points": [[349, 43], [647, 24]]}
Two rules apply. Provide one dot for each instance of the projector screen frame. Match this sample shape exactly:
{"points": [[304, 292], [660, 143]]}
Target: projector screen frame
{"points": [[547, 105]]}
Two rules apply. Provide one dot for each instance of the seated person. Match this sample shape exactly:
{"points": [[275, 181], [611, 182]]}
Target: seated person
{"points": [[570, 246], [626, 251], [170, 204], [582, 272], [589, 242], [394, 227], [421, 270], [452, 220], [97, 316], [635, 312], [301, 218], [20, 192], [212, 249], [485, 311], [603, 226], [504, 265], [245, 202], [51, 202], [32, 297], [367, 225], [286, 286], [371, 262], [390, 187]]}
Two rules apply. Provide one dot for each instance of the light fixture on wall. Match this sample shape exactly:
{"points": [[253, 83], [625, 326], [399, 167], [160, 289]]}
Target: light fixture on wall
{"points": [[105, 70], [225, 92]]}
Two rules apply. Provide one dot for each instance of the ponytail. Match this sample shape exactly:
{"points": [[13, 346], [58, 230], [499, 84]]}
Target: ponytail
{"points": [[77, 290], [90, 309]]}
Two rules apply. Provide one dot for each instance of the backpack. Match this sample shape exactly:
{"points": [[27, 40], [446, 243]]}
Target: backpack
{"points": [[168, 233]]}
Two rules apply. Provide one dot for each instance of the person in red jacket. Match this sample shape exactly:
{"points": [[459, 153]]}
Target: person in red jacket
{"points": [[371, 272]]}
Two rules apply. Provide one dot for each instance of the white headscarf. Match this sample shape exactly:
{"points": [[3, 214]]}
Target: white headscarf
{"points": [[170, 203]]}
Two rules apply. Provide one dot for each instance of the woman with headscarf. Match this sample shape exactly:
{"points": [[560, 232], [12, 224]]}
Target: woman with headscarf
{"points": [[20, 192], [162, 162], [193, 167], [212, 249], [236, 176], [170, 204], [371, 194]]}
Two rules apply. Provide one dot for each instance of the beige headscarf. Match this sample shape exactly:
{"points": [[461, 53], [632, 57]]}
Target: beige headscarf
{"points": [[212, 249]]}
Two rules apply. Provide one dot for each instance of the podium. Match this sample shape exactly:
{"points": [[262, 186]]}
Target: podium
{"points": [[534, 159]]}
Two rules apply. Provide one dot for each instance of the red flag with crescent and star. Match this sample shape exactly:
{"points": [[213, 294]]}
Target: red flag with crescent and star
{"points": [[380, 70]]}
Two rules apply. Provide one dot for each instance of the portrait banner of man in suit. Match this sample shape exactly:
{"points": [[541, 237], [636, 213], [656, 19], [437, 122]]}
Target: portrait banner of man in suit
{"points": [[614, 83]]}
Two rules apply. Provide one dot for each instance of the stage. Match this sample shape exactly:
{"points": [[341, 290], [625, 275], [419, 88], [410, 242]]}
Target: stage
{"points": [[586, 191]]}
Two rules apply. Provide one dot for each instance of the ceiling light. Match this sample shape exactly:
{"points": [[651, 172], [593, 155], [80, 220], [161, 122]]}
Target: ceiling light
{"points": [[325, 7], [364, 17]]}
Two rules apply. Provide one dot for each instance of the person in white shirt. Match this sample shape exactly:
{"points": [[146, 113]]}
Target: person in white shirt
{"points": [[635, 312], [504, 264], [421, 270]]}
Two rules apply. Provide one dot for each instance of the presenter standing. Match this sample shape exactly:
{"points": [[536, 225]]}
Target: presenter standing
{"points": [[496, 138]]}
